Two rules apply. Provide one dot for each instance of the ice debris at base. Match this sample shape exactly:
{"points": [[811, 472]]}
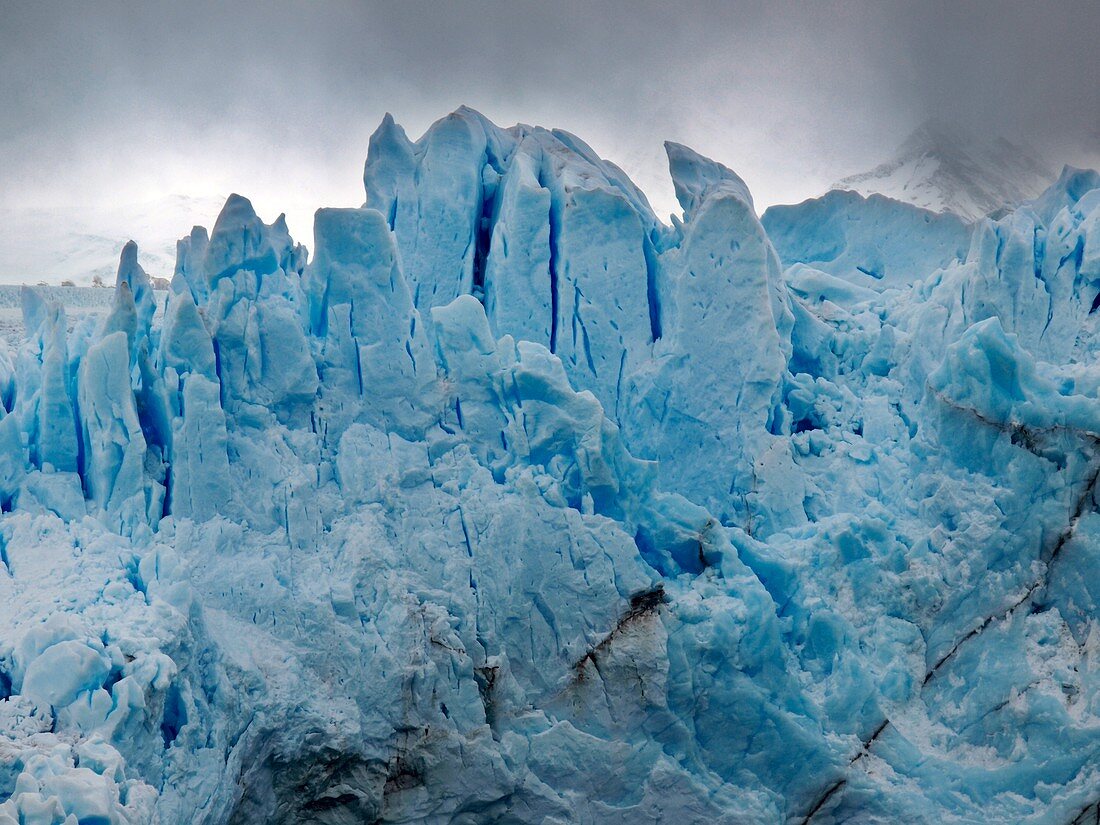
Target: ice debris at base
{"points": [[514, 504]]}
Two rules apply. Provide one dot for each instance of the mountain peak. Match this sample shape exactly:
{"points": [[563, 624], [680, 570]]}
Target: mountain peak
{"points": [[943, 168]]}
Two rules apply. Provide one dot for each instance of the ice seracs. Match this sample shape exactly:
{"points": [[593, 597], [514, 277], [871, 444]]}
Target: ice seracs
{"points": [[515, 504]]}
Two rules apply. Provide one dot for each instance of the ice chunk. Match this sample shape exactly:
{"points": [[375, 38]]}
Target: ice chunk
{"points": [[190, 254], [717, 388], [201, 484], [186, 345], [60, 673], [46, 404]]}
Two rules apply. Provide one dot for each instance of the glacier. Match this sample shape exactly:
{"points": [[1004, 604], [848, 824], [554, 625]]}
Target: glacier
{"points": [[513, 503]]}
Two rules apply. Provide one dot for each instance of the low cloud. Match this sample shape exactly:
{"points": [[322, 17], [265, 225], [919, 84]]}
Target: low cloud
{"points": [[119, 102]]}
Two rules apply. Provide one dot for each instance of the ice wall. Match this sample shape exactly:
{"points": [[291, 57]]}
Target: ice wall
{"points": [[514, 504]]}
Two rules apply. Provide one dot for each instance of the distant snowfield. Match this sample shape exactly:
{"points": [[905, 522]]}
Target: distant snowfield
{"points": [[79, 243], [79, 302]]}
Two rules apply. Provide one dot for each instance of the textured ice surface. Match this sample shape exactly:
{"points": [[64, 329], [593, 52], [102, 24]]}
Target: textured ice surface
{"points": [[513, 504], [874, 242]]}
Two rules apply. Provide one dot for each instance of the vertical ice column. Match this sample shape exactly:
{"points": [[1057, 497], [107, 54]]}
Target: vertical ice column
{"points": [[264, 360], [13, 459], [200, 482], [132, 315], [189, 275], [185, 345], [375, 355], [433, 196], [114, 446], [707, 406], [571, 263], [519, 295], [598, 268], [133, 277], [44, 400]]}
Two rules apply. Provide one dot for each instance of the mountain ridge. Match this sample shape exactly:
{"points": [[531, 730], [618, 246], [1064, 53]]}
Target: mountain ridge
{"points": [[943, 169]]}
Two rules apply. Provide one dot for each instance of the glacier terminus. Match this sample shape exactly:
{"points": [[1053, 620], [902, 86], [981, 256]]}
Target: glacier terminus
{"points": [[511, 503]]}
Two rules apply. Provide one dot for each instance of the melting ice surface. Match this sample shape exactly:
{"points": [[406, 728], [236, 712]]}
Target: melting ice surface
{"points": [[515, 504]]}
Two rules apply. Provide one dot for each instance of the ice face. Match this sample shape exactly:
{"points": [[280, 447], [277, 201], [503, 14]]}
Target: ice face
{"points": [[516, 505], [874, 242]]}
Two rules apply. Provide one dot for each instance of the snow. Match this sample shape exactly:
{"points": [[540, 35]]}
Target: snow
{"points": [[515, 504], [52, 244], [941, 169]]}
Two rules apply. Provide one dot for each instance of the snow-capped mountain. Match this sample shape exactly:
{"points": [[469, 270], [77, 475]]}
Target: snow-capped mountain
{"points": [[941, 169]]}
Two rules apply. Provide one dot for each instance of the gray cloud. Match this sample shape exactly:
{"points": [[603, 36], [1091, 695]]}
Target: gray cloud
{"points": [[1016, 67], [123, 101]]}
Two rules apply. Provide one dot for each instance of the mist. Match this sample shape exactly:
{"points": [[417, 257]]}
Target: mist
{"points": [[113, 103]]}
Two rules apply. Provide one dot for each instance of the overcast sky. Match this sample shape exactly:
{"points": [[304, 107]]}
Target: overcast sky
{"points": [[104, 103]]}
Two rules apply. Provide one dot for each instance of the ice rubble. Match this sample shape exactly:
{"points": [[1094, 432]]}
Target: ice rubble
{"points": [[516, 505]]}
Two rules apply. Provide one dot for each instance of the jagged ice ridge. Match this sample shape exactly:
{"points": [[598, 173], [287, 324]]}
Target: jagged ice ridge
{"points": [[515, 504]]}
